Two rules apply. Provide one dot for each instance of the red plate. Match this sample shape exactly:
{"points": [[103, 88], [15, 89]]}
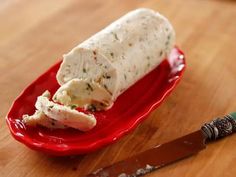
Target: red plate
{"points": [[129, 110]]}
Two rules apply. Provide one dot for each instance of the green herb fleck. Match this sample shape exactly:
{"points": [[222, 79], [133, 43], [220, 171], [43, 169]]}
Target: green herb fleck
{"points": [[115, 36], [168, 37], [73, 106], [84, 70], [105, 86], [125, 76], [161, 52], [112, 54], [89, 87], [106, 76]]}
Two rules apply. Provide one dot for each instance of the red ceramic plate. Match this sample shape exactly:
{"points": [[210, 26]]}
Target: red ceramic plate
{"points": [[129, 110]]}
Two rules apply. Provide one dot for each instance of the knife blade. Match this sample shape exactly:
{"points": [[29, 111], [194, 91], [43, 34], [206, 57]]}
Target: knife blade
{"points": [[167, 153]]}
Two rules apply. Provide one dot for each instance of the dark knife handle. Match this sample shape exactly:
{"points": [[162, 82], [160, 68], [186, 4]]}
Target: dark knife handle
{"points": [[220, 127]]}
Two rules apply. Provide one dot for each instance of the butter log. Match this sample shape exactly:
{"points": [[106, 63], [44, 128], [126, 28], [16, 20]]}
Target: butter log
{"points": [[108, 63]]}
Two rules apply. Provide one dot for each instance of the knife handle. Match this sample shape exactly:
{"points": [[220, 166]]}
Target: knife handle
{"points": [[220, 127]]}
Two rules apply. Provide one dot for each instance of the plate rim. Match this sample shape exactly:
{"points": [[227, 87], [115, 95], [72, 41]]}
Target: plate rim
{"points": [[43, 147]]}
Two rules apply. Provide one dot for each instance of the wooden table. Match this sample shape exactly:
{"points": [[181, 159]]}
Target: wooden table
{"points": [[35, 34]]}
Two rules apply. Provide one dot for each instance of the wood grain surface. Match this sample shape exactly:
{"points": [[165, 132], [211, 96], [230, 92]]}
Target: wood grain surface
{"points": [[35, 34]]}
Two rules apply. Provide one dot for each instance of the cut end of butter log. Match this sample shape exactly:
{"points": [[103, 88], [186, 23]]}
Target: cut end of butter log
{"points": [[83, 93], [109, 62], [94, 73]]}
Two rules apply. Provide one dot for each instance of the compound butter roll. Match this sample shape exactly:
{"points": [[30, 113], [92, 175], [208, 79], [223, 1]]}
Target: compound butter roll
{"points": [[97, 71]]}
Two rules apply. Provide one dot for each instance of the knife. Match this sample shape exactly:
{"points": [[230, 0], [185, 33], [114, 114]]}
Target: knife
{"points": [[162, 155]]}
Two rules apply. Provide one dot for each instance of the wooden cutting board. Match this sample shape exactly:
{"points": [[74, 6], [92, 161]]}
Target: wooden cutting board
{"points": [[35, 34]]}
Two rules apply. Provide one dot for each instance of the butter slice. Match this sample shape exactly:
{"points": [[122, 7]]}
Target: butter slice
{"points": [[64, 116], [39, 118]]}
